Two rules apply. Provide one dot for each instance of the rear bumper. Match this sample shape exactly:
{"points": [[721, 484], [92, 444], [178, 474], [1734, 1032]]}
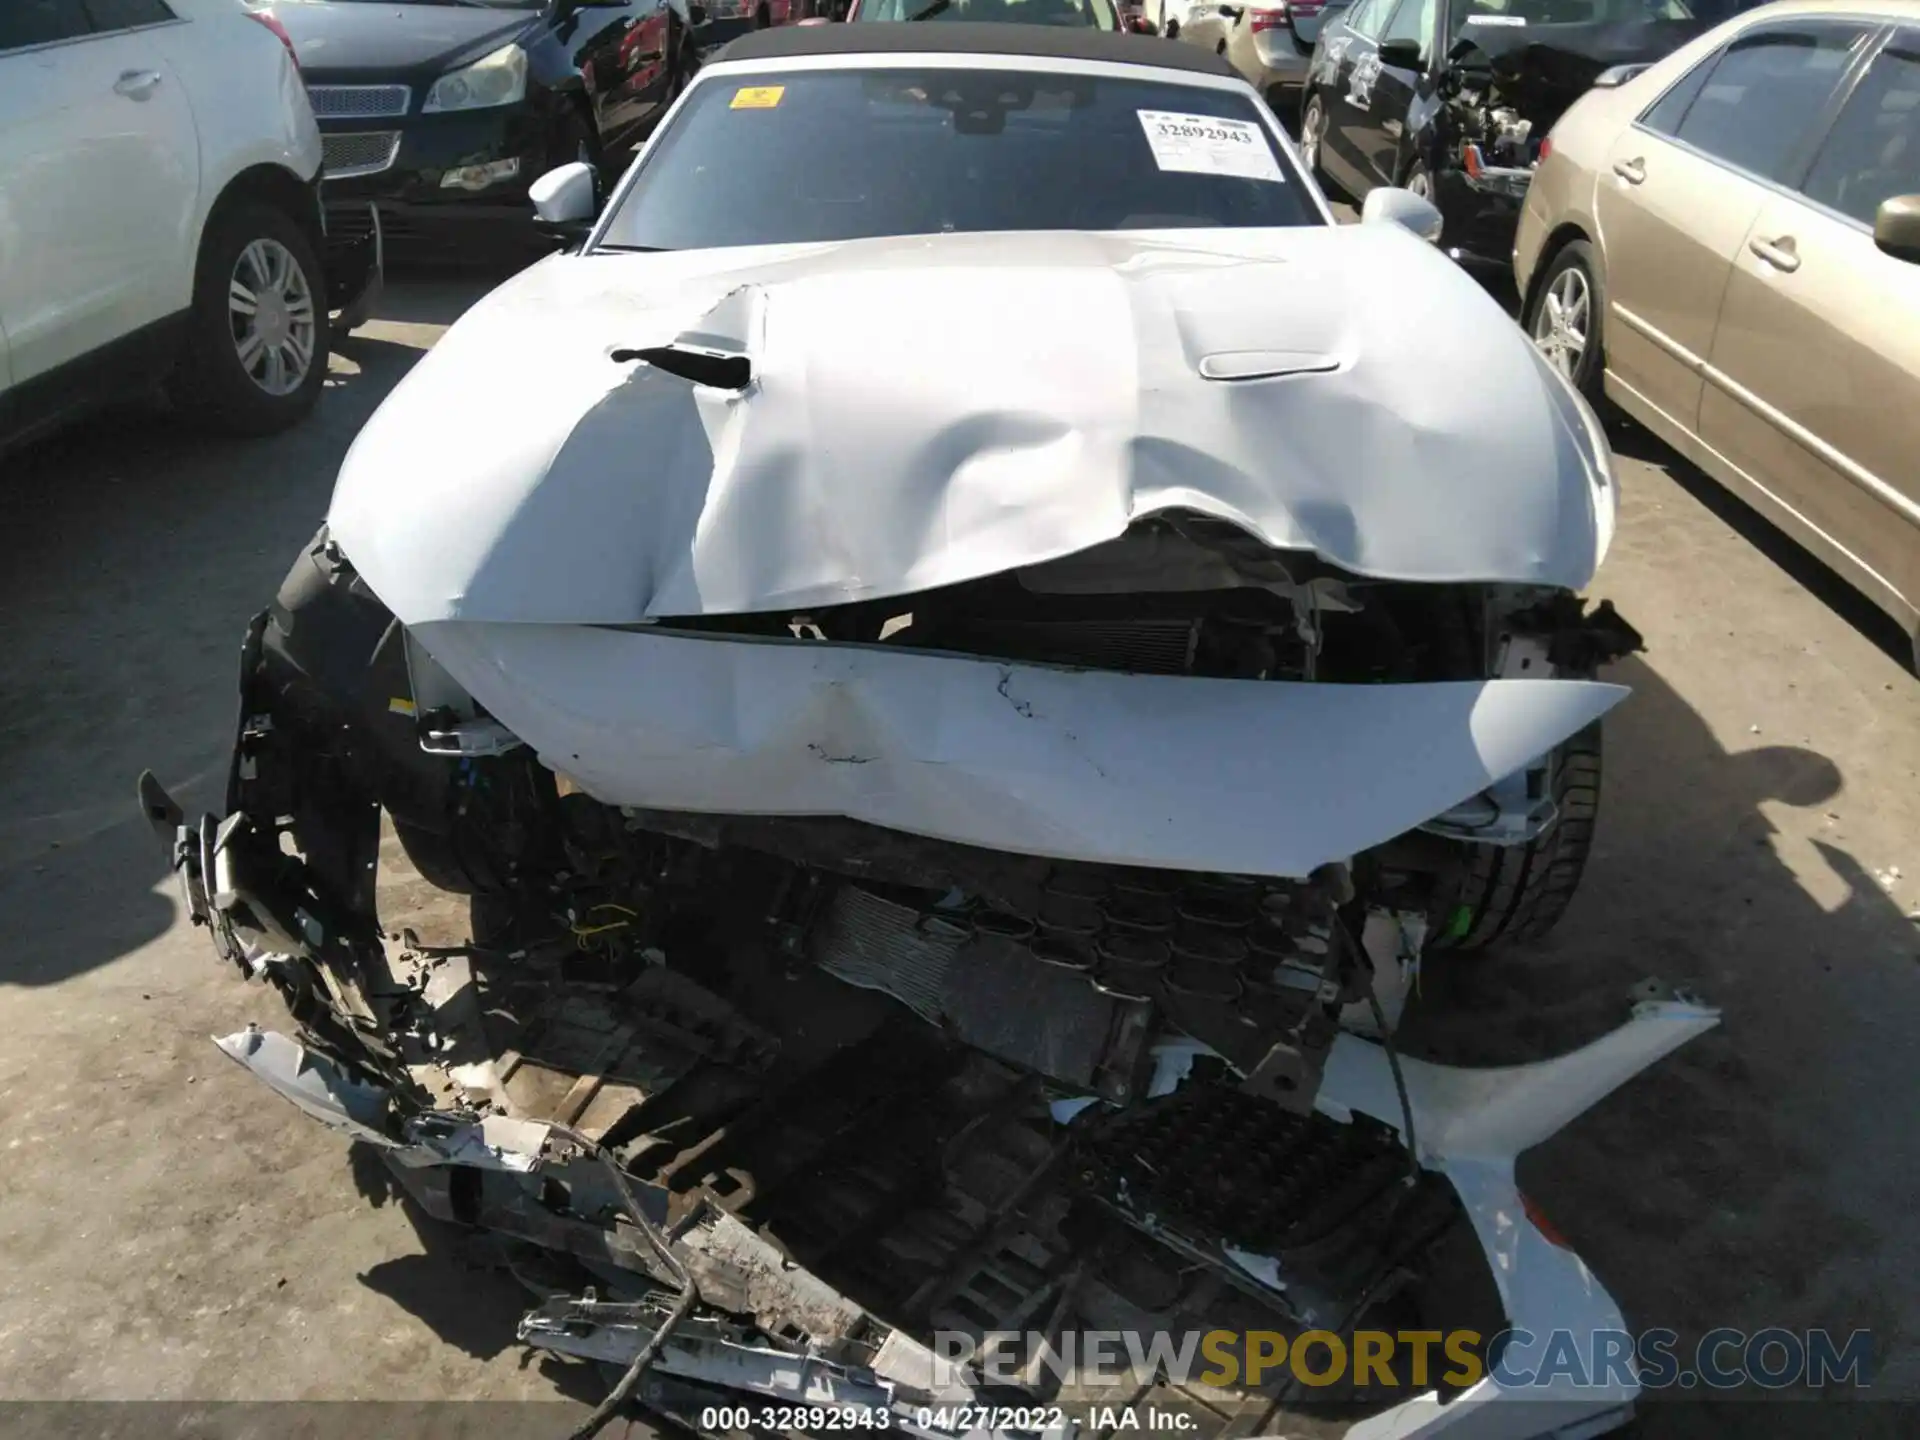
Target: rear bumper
{"points": [[1283, 64], [1480, 216]]}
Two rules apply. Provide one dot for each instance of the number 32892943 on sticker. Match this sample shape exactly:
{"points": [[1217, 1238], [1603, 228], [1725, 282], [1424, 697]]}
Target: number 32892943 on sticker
{"points": [[1209, 145]]}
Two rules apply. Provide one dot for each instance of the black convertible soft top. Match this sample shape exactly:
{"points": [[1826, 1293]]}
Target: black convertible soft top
{"points": [[1042, 42]]}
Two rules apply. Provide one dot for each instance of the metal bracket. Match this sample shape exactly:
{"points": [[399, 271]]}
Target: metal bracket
{"points": [[472, 740]]}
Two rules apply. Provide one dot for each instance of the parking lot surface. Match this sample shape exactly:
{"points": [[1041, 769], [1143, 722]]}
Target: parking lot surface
{"points": [[172, 1231]]}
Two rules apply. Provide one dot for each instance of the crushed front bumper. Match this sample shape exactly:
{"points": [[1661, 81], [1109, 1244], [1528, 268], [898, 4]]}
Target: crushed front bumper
{"points": [[767, 1330], [808, 1252], [785, 1090]]}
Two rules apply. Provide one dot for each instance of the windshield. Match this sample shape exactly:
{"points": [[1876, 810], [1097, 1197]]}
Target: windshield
{"points": [[812, 155], [1485, 15], [1086, 14]]}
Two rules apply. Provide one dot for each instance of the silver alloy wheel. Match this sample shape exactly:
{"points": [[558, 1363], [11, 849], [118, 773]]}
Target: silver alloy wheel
{"points": [[270, 311], [1311, 125], [1560, 324]]}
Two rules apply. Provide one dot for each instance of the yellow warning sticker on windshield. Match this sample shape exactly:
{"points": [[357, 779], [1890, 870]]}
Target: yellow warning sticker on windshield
{"points": [[758, 97]]}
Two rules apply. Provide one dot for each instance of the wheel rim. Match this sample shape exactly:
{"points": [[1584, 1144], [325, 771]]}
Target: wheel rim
{"points": [[1561, 323], [271, 313], [1310, 137]]}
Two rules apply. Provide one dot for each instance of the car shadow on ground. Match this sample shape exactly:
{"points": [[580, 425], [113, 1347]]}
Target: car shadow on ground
{"points": [[1692, 883], [465, 1284], [138, 548]]}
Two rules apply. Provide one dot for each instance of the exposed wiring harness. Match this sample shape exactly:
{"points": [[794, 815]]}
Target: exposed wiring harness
{"points": [[682, 1306]]}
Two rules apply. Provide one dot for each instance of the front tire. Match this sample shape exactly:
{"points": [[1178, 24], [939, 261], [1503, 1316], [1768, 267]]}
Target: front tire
{"points": [[1520, 892], [258, 337], [1564, 320]]}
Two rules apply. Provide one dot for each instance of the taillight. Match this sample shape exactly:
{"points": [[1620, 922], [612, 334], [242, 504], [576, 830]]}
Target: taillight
{"points": [[1546, 146], [277, 28], [1258, 20], [1471, 162]]}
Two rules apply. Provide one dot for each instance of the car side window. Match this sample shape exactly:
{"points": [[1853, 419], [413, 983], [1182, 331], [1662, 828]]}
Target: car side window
{"points": [[1413, 21], [1873, 151], [41, 22], [127, 14], [1666, 113], [1367, 16], [1761, 98]]}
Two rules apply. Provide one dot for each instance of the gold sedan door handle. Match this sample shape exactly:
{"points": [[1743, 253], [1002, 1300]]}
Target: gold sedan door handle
{"points": [[1632, 171], [1778, 253]]}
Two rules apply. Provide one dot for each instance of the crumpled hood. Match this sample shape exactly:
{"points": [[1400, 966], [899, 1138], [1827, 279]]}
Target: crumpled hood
{"points": [[930, 410]]}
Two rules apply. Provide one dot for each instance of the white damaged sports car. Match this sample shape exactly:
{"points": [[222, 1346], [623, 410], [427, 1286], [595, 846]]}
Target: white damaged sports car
{"points": [[964, 659]]}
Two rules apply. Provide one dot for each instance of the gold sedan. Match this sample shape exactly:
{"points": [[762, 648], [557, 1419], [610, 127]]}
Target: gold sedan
{"points": [[1727, 246]]}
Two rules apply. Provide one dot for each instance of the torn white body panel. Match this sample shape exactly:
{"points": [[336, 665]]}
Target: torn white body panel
{"points": [[359, 1110], [1472, 1125], [930, 410], [1232, 776]]}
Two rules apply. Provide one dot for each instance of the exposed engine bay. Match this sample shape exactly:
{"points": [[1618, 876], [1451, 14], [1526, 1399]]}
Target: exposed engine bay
{"points": [[1491, 137], [1505, 86], [777, 1105]]}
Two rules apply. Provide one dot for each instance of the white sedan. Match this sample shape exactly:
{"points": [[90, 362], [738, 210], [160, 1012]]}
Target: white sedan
{"points": [[967, 622]]}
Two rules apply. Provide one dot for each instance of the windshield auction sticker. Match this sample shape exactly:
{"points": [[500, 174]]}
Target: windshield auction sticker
{"points": [[757, 97], [1208, 145]]}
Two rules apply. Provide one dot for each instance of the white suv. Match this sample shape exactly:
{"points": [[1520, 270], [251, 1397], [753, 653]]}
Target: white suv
{"points": [[159, 213]]}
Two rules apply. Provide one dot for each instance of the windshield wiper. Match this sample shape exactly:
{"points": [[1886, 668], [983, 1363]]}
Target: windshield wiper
{"points": [[932, 10]]}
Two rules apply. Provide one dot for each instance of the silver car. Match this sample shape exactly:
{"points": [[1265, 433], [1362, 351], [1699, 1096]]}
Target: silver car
{"points": [[1270, 44]]}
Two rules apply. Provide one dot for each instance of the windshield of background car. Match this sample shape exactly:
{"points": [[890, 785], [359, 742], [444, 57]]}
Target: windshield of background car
{"points": [[1083, 14], [813, 155], [1491, 15]]}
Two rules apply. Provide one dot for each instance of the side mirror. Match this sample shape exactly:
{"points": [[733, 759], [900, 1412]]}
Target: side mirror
{"points": [[1400, 55], [565, 202], [1896, 228], [564, 195], [1390, 205]]}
